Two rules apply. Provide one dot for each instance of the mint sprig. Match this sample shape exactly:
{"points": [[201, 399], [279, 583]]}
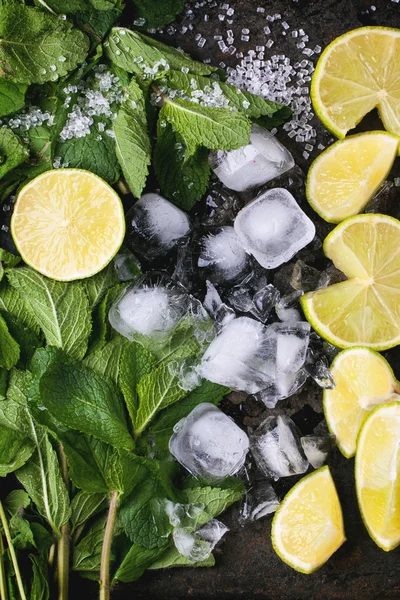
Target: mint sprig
{"points": [[33, 42], [85, 415]]}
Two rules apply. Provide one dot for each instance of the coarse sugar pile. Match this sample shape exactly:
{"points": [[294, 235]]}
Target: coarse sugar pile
{"points": [[262, 67]]}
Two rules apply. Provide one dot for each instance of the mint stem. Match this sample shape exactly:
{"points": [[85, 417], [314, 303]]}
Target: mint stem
{"points": [[123, 187], [3, 583], [14, 560], [63, 563], [106, 550], [64, 540], [45, 5]]}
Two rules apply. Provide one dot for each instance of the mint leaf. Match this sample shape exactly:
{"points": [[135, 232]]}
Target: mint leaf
{"points": [[20, 322], [71, 6], [132, 139], [95, 23], [40, 588], [136, 561], [32, 41], [60, 309], [94, 152], [87, 554], [157, 14], [9, 349], [21, 533], [16, 446], [102, 329], [124, 47], [106, 360], [90, 461], [182, 181], [41, 477], [251, 105], [214, 128], [155, 391], [90, 403], [171, 558], [162, 428], [3, 383], [96, 286], [182, 344], [18, 386], [16, 501], [136, 362], [143, 515], [12, 96], [216, 499], [6, 258], [12, 150], [84, 506]]}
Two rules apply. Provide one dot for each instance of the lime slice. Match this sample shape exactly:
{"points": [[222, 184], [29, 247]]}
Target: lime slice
{"points": [[365, 310], [363, 379], [308, 526], [68, 224], [344, 177], [357, 72], [378, 476]]}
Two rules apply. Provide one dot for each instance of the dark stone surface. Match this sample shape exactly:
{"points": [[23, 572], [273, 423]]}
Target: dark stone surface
{"points": [[247, 566]]}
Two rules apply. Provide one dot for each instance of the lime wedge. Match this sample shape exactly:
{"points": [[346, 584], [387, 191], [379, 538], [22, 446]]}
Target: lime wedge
{"points": [[308, 526], [365, 309], [378, 475], [363, 380], [357, 72], [344, 177]]}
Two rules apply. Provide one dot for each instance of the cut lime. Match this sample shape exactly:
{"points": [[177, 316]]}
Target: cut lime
{"points": [[68, 224], [363, 380], [344, 177], [378, 475], [308, 526], [357, 72], [365, 309]]}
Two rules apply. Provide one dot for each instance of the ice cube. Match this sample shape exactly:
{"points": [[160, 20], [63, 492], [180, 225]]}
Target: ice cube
{"points": [[265, 500], [258, 501], [284, 386], [291, 345], [189, 545], [185, 272], [276, 448], [222, 206], [198, 545], [264, 301], [186, 373], [219, 311], [287, 352], [209, 444], [273, 228], [304, 277], [223, 256], [155, 226], [250, 166], [184, 515], [126, 265], [316, 448], [147, 312], [241, 300], [287, 307], [237, 357], [319, 371], [212, 532]]}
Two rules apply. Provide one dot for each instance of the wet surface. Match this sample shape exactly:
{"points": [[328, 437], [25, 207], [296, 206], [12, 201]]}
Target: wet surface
{"points": [[246, 565]]}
